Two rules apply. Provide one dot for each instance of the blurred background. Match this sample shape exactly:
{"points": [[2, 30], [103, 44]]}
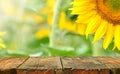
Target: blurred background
{"points": [[25, 27]]}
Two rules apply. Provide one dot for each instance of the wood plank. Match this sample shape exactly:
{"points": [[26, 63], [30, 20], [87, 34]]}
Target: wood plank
{"points": [[60, 65], [113, 64], [110, 62], [30, 65], [82, 65], [116, 60], [41, 65], [11, 63], [8, 65], [88, 63]]}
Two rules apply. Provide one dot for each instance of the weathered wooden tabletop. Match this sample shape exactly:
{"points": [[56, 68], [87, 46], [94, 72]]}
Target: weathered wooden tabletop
{"points": [[60, 65]]}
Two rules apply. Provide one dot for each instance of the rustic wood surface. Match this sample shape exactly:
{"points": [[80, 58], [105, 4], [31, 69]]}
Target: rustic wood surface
{"points": [[60, 65], [43, 65], [8, 65]]}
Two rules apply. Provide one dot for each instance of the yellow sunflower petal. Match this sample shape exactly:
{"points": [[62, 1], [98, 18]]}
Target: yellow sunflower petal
{"points": [[109, 36], [117, 36], [76, 10], [92, 26], [76, 0], [101, 30], [82, 18], [81, 29], [82, 2]]}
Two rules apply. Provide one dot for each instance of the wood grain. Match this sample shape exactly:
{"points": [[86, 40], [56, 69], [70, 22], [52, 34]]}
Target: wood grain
{"points": [[41, 65], [8, 65], [83, 65], [60, 65]]}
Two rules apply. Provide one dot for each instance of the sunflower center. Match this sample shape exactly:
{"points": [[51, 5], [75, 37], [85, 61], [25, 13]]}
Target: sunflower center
{"points": [[113, 5], [110, 9]]}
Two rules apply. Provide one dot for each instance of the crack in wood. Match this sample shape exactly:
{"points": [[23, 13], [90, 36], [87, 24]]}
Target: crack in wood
{"points": [[23, 62]]}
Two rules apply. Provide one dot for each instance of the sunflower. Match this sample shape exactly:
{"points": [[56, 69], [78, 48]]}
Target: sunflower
{"points": [[101, 18], [64, 23]]}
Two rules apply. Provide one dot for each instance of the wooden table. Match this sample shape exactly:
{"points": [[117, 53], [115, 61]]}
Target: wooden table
{"points": [[60, 65]]}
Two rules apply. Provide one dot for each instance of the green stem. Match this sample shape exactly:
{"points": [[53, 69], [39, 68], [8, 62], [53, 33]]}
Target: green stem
{"points": [[55, 26], [97, 49]]}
